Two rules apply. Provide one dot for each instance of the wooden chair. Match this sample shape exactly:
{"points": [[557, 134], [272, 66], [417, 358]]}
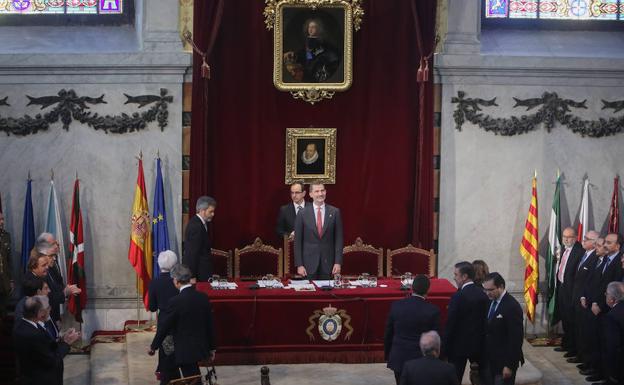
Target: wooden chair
{"points": [[360, 258], [222, 262], [410, 259], [256, 260], [290, 270]]}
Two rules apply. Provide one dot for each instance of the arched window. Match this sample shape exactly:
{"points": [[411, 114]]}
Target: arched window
{"points": [[599, 10], [66, 12]]}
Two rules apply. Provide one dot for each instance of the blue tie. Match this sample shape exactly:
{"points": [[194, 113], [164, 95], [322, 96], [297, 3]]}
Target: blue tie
{"points": [[492, 309]]}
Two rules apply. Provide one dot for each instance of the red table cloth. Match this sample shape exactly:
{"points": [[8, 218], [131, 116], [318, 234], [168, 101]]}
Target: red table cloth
{"points": [[270, 326]]}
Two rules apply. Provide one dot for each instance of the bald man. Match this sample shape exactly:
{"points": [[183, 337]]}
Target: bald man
{"points": [[566, 271]]}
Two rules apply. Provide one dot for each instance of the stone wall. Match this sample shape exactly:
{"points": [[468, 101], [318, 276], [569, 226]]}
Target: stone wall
{"points": [[135, 60], [486, 179]]}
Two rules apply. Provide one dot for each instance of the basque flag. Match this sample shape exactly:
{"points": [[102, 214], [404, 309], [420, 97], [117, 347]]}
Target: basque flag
{"points": [[160, 234], [76, 248]]}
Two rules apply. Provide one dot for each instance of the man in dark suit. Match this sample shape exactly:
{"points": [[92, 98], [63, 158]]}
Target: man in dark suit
{"points": [[609, 270], [40, 358], [614, 332], [429, 370], [465, 325], [189, 319], [586, 265], [408, 319], [566, 271], [503, 333], [160, 291], [318, 237], [197, 246], [287, 213]]}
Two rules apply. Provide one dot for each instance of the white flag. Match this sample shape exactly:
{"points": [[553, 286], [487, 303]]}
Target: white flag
{"points": [[583, 214], [54, 227]]}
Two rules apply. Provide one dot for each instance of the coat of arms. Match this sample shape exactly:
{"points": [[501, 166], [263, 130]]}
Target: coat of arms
{"points": [[330, 323]]}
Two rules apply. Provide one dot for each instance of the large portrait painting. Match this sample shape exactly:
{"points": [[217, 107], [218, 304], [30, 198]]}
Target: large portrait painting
{"points": [[310, 155], [313, 45]]}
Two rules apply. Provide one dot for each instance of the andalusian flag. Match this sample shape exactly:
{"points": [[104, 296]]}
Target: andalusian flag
{"points": [[528, 250], [583, 214], [140, 253], [554, 250], [76, 273], [614, 210]]}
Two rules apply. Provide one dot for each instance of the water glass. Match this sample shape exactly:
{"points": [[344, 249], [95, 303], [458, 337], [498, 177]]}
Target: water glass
{"points": [[223, 283], [372, 282], [337, 281]]}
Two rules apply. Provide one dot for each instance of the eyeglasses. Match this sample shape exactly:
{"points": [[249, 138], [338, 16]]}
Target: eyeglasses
{"points": [[296, 192]]}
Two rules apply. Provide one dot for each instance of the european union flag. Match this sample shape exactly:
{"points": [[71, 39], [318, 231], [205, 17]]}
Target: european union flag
{"points": [[160, 234], [28, 227]]}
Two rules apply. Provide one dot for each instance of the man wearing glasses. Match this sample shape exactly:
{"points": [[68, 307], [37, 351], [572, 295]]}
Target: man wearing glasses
{"points": [[287, 213]]}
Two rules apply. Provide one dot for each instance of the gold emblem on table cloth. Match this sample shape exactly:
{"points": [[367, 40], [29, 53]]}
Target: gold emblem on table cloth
{"points": [[330, 322]]}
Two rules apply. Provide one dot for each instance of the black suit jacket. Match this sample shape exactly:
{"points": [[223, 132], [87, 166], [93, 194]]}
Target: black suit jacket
{"points": [[569, 273], [408, 319], [57, 293], [504, 336], [465, 325], [612, 273], [312, 250], [160, 292], [197, 249], [286, 220], [614, 332], [40, 358], [583, 274], [428, 371], [189, 319]]}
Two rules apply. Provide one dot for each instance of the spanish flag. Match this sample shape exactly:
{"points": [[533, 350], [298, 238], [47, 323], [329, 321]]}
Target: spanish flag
{"points": [[528, 250], [140, 253]]}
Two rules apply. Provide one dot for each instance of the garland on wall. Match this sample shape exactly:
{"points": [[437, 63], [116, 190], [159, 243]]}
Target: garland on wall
{"points": [[552, 109], [69, 107]]}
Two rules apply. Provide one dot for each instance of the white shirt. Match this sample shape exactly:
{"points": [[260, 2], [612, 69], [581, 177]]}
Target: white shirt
{"points": [[185, 286], [203, 221], [316, 208], [302, 204], [467, 283]]}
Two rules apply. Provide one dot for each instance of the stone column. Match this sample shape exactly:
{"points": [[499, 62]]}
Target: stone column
{"points": [[464, 27], [160, 26]]}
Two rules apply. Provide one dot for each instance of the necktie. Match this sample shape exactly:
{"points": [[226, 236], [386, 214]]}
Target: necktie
{"points": [[607, 262], [319, 222], [582, 260], [600, 263], [299, 209], [562, 264], [492, 309], [51, 330]]}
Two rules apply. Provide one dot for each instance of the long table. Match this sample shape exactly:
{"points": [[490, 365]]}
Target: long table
{"points": [[271, 326]]}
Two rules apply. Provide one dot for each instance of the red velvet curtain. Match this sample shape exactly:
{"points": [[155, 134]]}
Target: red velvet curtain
{"points": [[384, 166]]}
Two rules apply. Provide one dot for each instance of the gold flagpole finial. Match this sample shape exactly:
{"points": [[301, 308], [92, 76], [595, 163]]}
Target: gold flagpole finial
{"points": [[535, 173]]}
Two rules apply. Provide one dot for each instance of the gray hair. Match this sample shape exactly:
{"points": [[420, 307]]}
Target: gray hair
{"points": [[181, 273], [33, 305], [430, 343], [43, 244], [615, 289], [166, 260], [203, 202]]}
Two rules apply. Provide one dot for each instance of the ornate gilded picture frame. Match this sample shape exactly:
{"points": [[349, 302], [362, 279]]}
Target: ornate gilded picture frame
{"points": [[313, 45], [310, 155]]}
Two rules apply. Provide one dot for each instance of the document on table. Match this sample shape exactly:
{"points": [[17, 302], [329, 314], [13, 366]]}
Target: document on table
{"points": [[224, 285], [321, 283], [273, 284]]}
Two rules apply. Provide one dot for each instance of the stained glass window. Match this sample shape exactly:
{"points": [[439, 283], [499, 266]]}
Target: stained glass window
{"points": [[69, 7], [555, 9]]}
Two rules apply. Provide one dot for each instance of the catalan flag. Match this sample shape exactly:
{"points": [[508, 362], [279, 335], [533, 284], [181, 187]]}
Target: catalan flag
{"points": [[140, 251], [528, 250]]}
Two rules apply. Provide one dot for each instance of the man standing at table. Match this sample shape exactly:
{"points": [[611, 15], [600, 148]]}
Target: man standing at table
{"points": [[287, 213], [409, 318], [197, 248], [318, 237]]}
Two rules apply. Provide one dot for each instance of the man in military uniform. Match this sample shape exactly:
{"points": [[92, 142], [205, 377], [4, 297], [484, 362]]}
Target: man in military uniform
{"points": [[6, 283]]}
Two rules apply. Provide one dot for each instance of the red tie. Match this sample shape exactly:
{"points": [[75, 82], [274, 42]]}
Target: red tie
{"points": [[319, 222]]}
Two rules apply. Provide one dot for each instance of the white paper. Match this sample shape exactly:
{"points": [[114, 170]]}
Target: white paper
{"points": [[228, 285], [295, 282], [322, 283], [273, 284]]}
